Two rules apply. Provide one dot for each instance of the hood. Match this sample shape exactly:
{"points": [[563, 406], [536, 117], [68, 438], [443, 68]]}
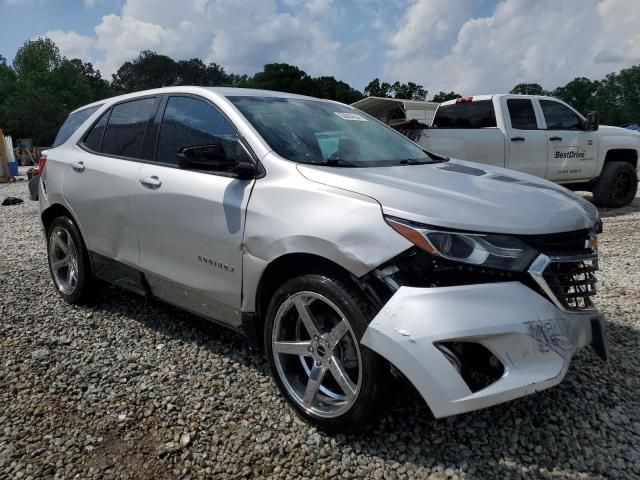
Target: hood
{"points": [[464, 195], [608, 130]]}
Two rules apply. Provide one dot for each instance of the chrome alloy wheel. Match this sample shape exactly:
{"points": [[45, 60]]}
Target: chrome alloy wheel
{"points": [[316, 355], [63, 259]]}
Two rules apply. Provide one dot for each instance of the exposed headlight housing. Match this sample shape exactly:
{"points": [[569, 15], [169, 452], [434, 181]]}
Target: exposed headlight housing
{"points": [[489, 250]]}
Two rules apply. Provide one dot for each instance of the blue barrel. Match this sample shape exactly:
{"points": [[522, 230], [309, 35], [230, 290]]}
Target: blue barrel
{"points": [[13, 169]]}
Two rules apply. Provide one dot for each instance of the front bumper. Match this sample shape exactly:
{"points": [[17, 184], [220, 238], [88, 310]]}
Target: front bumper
{"points": [[532, 337]]}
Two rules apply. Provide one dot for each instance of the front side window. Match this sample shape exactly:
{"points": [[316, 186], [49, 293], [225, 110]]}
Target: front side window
{"points": [[126, 127], [319, 132], [522, 114], [189, 122], [72, 123], [559, 117], [478, 114]]}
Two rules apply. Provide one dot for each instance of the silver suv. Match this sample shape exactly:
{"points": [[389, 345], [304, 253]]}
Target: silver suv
{"points": [[345, 250]]}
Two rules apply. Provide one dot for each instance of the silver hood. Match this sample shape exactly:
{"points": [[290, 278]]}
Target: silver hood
{"points": [[464, 195]]}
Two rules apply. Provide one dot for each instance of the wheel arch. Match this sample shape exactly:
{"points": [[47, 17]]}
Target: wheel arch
{"points": [[628, 155], [56, 210]]}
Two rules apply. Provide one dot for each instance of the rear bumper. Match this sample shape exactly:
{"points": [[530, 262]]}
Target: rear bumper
{"points": [[533, 339]]}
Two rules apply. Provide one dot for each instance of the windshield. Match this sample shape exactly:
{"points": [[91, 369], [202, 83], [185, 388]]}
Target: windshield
{"points": [[323, 133]]}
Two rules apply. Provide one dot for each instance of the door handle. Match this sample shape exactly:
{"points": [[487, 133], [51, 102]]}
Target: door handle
{"points": [[517, 139], [151, 182], [555, 139], [78, 166]]}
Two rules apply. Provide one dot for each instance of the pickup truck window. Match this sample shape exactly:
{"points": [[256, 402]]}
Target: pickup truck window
{"points": [[559, 117], [477, 114], [522, 115]]}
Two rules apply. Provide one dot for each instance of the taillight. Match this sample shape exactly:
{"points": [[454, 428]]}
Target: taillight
{"points": [[41, 161]]}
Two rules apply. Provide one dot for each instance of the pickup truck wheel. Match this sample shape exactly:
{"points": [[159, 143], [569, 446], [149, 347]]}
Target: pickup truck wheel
{"points": [[69, 262], [617, 185], [313, 328]]}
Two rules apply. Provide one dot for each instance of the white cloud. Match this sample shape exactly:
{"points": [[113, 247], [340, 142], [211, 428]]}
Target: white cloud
{"points": [[241, 35], [548, 42], [72, 44]]}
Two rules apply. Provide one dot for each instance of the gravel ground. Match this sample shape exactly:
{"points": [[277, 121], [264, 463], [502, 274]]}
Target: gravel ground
{"points": [[130, 388]]}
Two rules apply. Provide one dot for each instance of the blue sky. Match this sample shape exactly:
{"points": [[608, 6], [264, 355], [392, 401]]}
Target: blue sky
{"points": [[472, 46]]}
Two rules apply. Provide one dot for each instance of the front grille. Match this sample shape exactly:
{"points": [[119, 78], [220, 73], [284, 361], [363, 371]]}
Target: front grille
{"points": [[556, 243], [572, 280]]}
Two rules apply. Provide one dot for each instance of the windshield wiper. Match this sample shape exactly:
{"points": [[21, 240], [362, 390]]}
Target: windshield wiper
{"points": [[337, 162], [413, 161]]}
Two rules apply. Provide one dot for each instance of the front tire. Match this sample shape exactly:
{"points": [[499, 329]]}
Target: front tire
{"points": [[69, 262], [617, 185], [313, 328]]}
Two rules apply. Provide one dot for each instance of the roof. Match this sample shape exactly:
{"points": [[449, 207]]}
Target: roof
{"points": [[375, 103]]}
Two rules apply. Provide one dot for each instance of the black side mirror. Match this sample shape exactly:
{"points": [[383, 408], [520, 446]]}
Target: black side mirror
{"points": [[214, 157], [593, 121]]}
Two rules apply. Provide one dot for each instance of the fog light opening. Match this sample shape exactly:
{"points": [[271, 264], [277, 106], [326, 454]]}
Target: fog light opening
{"points": [[475, 363]]}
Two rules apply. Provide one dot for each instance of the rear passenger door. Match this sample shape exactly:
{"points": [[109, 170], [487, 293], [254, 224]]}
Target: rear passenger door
{"points": [[526, 140], [99, 183], [191, 223]]}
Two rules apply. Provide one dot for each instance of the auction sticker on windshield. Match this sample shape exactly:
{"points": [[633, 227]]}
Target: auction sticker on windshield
{"points": [[351, 116]]}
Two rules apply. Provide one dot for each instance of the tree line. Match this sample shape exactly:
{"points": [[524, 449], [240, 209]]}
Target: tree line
{"points": [[41, 87]]}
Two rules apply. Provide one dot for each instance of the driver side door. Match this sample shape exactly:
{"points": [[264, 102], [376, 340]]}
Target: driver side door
{"points": [[190, 222]]}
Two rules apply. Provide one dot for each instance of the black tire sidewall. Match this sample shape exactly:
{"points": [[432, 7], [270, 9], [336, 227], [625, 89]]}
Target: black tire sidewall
{"points": [[603, 191], [358, 313], [84, 288]]}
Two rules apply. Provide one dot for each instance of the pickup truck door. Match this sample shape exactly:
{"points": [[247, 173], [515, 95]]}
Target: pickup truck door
{"points": [[191, 222], [526, 140], [572, 151]]}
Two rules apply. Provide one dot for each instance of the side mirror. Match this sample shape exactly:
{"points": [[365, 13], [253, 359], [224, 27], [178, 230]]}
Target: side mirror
{"points": [[593, 121], [230, 157]]}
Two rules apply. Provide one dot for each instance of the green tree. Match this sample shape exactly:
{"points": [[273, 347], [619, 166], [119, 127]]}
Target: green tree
{"points": [[284, 78], [578, 93], [332, 89], [528, 89], [445, 96], [148, 70], [195, 72], [47, 87], [100, 88], [409, 91], [8, 79], [375, 88]]}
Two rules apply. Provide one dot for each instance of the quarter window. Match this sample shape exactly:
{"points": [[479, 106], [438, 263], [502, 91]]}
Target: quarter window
{"points": [[478, 114], [559, 117], [126, 127], [522, 115], [72, 123], [189, 122]]}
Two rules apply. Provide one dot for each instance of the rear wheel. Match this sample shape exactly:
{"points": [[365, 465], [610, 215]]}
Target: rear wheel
{"points": [[617, 185], [312, 336], [69, 262]]}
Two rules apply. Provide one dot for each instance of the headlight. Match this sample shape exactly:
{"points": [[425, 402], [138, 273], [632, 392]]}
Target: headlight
{"points": [[488, 250]]}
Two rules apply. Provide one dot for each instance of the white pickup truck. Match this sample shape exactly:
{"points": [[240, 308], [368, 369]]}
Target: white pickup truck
{"points": [[543, 136], [535, 134]]}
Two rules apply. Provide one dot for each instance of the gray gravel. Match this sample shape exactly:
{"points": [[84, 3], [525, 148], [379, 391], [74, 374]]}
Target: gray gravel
{"points": [[131, 388]]}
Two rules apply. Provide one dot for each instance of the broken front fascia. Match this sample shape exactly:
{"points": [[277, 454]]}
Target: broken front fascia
{"points": [[532, 338]]}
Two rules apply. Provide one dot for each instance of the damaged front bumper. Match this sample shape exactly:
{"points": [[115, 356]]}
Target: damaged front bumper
{"points": [[531, 337]]}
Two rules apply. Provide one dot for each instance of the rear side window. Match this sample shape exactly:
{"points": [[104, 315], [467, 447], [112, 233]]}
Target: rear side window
{"points": [[93, 140], [477, 114], [522, 115], [126, 127], [72, 123], [189, 122], [559, 117]]}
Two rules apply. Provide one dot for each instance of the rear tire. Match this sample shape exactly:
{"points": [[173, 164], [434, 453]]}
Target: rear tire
{"points": [[69, 262], [617, 185], [312, 334]]}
